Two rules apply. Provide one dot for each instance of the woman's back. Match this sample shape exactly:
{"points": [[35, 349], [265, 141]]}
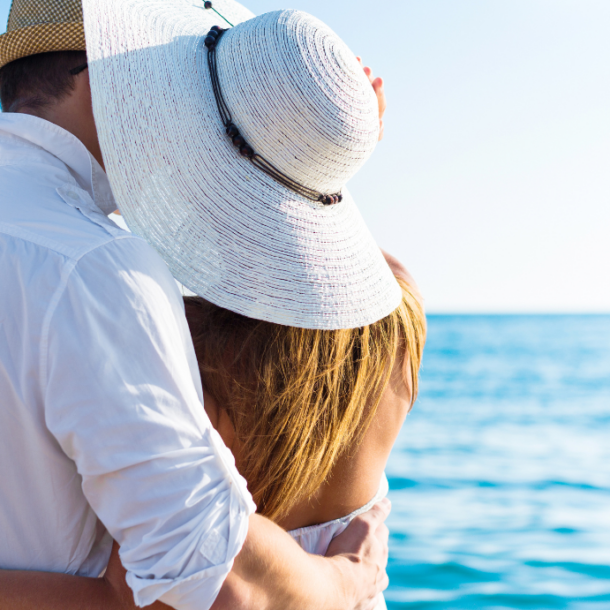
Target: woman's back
{"points": [[358, 475]]}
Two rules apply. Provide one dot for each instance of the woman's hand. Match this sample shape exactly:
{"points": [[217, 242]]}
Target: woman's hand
{"points": [[379, 92]]}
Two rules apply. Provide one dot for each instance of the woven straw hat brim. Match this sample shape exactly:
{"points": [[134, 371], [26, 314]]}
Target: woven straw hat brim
{"points": [[41, 38], [227, 231]]}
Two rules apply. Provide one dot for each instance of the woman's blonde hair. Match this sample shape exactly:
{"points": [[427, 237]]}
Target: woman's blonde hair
{"points": [[299, 398]]}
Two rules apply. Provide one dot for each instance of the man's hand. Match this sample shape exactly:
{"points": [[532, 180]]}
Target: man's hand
{"points": [[364, 544], [273, 573], [379, 92]]}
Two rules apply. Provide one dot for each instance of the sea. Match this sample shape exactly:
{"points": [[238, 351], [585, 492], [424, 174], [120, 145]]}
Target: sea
{"points": [[500, 479]]}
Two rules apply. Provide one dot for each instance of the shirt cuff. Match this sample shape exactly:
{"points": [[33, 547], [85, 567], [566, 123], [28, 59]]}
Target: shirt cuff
{"points": [[199, 590]]}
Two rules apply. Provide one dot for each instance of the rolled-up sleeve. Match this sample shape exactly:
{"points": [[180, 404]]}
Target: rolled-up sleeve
{"points": [[122, 397]]}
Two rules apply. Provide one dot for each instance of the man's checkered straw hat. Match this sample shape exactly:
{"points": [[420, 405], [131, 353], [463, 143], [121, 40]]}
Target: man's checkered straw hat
{"points": [[42, 26], [229, 232]]}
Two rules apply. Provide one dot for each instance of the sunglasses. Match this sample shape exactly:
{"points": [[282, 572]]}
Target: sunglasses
{"points": [[79, 69]]}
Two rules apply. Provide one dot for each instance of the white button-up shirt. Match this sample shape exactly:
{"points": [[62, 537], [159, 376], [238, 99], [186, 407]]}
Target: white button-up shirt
{"points": [[102, 426]]}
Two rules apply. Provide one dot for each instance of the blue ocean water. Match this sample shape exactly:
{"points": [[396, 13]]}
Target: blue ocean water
{"points": [[501, 476]]}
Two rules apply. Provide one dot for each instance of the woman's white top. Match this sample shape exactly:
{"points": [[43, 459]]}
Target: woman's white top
{"points": [[101, 412], [317, 538]]}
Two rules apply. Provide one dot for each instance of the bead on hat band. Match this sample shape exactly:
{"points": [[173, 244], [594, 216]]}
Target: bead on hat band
{"points": [[211, 42], [208, 5]]}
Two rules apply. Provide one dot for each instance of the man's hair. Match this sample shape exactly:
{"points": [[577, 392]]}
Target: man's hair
{"points": [[38, 80]]}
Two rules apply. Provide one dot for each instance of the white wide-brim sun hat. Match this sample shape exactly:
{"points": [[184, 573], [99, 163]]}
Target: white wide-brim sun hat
{"points": [[228, 231]]}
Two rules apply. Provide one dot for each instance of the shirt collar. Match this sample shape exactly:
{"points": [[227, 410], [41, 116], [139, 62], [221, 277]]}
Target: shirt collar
{"points": [[68, 149]]}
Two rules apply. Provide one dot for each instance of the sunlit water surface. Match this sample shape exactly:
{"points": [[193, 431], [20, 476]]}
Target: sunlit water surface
{"points": [[501, 476]]}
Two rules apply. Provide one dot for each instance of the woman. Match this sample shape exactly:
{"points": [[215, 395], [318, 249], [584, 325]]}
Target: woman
{"points": [[307, 342]]}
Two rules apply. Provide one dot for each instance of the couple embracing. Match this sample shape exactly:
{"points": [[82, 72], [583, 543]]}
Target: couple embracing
{"points": [[224, 450]]}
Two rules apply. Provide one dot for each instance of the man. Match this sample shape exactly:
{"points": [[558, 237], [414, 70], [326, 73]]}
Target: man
{"points": [[101, 401]]}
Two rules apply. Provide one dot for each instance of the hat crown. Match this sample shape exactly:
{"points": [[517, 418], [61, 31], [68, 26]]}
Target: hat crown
{"points": [[25, 13], [299, 97], [37, 26]]}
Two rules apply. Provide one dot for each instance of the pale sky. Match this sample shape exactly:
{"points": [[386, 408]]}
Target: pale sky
{"points": [[493, 181]]}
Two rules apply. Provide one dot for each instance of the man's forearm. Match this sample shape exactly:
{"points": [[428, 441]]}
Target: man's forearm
{"points": [[32, 590], [20, 590], [273, 573]]}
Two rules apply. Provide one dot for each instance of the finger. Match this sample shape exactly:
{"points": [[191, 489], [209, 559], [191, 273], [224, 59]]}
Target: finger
{"points": [[383, 533], [371, 604], [378, 87], [369, 74], [383, 537], [385, 582], [378, 83], [385, 505], [381, 129], [382, 580], [381, 584], [367, 524], [378, 514]]}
